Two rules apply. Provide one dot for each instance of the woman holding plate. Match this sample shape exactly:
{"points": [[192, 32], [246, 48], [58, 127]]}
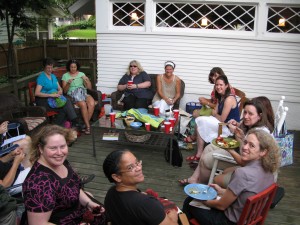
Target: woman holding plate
{"points": [[260, 155], [257, 113]]}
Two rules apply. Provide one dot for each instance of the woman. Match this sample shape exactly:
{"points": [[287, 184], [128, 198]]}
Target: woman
{"points": [[260, 154], [225, 110], [255, 115], [48, 86], [138, 94], [75, 84], [124, 202], [52, 190], [168, 89], [15, 165]]}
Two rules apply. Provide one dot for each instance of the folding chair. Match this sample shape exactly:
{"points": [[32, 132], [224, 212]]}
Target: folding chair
{"points": [[256, 208]]}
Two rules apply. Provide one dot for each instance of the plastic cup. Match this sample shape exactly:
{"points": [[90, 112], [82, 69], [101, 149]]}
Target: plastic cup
{"points": [[172, 121], [130, 82], [112, 117], [176, 113], [156, 111], [147, 126], [167, 127], [103, 96]]}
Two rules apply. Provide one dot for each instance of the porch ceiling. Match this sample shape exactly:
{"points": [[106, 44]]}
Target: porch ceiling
{"points": [[82, 7]]}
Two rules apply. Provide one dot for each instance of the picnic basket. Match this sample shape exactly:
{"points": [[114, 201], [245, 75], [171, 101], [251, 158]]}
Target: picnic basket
{"points": [[137, 137]]}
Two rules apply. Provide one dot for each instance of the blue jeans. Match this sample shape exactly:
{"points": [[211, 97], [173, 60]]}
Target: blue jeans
{"points": [[204, 216]]}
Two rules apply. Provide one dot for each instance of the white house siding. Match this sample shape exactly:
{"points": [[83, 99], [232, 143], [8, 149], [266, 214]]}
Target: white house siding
{"points": [[257, 66]]}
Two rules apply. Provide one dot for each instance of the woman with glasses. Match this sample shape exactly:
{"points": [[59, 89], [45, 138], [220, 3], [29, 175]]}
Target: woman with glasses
{"points": [[136, 86], [124, 202], [168, 89], [49, 87], [75, 84], [52, 190]]}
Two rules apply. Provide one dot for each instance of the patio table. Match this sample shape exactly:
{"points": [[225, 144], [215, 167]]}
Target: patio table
{"points": [[158, 137]]}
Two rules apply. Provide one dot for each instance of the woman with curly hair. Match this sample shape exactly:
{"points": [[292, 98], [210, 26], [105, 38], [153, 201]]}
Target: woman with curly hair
{"points": [[261, 158]]}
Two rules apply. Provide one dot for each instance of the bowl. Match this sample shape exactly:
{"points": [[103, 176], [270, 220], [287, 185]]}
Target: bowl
{"points": [[129, 120], [136, 125], [143, 110]]}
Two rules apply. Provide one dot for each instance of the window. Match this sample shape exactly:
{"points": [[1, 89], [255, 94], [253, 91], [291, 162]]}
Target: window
{"points": [[283, 19], [128, 14], [206, 16]]}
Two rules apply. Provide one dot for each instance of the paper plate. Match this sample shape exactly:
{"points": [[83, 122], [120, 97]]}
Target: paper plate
{"points": [[136, 124], [196, 191], [228, 141]]}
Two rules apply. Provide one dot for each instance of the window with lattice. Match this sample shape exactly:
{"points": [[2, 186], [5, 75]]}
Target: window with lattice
{"points": [[128, 14], [283, 19], [206, 16]]}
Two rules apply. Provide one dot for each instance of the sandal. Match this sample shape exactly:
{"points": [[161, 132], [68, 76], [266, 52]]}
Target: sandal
{"points": [[184, 182], [87, 130], [190, 139], [192, 158]]}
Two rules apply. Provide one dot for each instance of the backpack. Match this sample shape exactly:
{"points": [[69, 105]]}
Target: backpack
{"points": [[176, 154]]}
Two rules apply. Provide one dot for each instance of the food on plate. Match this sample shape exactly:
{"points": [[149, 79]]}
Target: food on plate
{"points": [[193, 191], [221, 142]]}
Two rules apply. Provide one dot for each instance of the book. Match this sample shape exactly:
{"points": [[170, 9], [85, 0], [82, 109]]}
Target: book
{"points": [[111, 136]]}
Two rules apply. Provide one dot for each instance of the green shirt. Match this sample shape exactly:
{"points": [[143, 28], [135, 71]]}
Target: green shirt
{"points": [[76, 83]]}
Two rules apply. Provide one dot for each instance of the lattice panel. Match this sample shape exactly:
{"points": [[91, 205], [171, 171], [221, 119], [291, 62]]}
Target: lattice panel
{"points": [[284, 20], [128, 14], [206, 16]]}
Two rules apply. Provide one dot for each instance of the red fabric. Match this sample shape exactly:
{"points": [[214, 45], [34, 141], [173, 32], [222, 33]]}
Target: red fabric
{"points": [[168, 205]]}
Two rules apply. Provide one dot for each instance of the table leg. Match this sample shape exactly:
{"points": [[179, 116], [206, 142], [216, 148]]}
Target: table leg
{"points": [[93, 140], [171, 150]]}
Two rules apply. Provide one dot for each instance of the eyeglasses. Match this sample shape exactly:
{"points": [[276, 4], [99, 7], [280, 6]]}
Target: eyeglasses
{"points": [[132, 167], [132, 66]]}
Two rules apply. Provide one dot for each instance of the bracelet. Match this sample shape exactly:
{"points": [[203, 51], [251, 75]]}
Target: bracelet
{"points": [[137, 86]]}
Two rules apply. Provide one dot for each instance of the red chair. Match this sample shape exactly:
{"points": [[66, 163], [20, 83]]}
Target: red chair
{"points": [[31, 88], [256, 208]]}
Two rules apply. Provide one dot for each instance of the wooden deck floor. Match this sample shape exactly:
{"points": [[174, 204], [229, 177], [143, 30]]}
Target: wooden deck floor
{"points": [[162, 177]]}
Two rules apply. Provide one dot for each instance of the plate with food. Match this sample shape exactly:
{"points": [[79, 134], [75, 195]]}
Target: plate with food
{"points": [[200, 191], [226, 143]]}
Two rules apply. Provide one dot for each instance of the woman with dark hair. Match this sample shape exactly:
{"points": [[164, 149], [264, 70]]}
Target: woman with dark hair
{"points": [[75, 84], [261, 157], [48, 87], [124, 202], [255, 116], [136, 86], [168, 89], [52, 190], [225, 110]]}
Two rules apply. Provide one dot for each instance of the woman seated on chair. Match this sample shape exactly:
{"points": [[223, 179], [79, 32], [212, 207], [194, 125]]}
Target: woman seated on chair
{"points": [[168, 89], [260, 155], [138, 94], [225, 110], [75, 84], [14, 166], [48, 86], [257, 113], [52, 190], [124, 202]]}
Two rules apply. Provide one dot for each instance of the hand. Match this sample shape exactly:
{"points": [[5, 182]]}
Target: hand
{"points": [[169, 101], [19, 158], [55, 95], [172, 214], [239, 133], [219, 190], [92, 205], [3, 127], [70, 80], [202, 101], [130, 86]]}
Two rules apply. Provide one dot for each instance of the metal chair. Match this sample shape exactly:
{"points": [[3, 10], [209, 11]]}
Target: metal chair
{"points": [[256, 208]]}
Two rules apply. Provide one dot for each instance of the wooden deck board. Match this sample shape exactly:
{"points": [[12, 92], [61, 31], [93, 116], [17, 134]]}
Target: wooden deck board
{"points": [[162, 177]]}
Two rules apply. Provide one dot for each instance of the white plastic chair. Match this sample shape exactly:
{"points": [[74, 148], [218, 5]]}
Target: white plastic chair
{"points": [[215, 171]]}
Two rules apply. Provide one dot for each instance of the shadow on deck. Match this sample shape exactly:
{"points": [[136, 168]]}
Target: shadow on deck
{"points": [[162, 177]]}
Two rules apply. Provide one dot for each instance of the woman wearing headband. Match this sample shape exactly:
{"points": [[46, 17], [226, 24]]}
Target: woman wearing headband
{"points": [[136, 86], [168, 88]]}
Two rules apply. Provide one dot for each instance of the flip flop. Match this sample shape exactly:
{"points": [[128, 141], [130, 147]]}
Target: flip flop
{"points": [[189, 139], [192, 158], [184, 182]]}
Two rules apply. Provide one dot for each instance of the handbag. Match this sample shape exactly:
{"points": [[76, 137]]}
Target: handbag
{"points": [[286, 144], [176, 154], [205, 111]]}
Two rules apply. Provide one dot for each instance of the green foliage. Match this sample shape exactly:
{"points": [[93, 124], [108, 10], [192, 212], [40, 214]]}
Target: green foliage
{"points": [[61, 32]]}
